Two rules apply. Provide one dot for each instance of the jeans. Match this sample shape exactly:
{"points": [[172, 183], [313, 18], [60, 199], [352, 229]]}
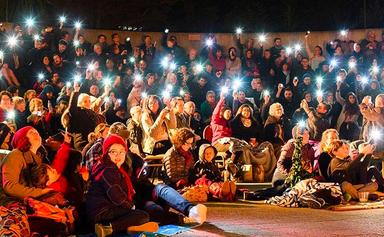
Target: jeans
{"points": [[165, 195]]}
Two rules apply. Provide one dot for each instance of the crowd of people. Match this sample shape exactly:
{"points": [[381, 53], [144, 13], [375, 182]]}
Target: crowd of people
{"points": [[81, 117]]}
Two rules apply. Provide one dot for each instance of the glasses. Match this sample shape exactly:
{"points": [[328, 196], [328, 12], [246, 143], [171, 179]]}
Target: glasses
{"points": [[189, 143], [117, 153]]}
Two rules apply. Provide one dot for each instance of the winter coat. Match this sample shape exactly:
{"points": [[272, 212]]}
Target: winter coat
{"points": [[108, 189], [203, 167], [175, 165], [14, 174]]}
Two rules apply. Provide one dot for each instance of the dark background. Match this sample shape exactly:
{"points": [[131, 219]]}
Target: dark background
{"points": [[203, 15]]}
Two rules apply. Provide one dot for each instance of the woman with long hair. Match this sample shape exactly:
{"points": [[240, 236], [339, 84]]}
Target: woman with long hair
{"points": [[245, 126], [157, 122], [347, 123]]}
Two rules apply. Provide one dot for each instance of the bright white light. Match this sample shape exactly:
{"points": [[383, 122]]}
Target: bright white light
{"points": [[301, 124], [91, 67], [166, 94], [376, 135], [77, 63], [172, 66], [199, 68], [209, 42], [11, 115], [375, 69], [319, 93], [343, 32], [308, 32], [182, 92], [128, 39], [239, 30], [338, 79], [119, 101], [333, 62], [224, 89], [77, 24], [266, 93], [319, 79], [40, 76], [30, 22], [297, 47], [107, 81], [236, 84], [166, 31], [351, 64], [62, 19], [288, 50], [107, 99], [132, 59], [262, 38], [68, 84], [169, 87], [144, 95], [1, 54], [76, 43], [165, 62], [12, 41], [36, 37], [138, 77], [364, 80], [77, 78]]}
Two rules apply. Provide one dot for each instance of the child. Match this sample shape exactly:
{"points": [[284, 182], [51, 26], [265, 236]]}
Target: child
{"points": [[206, 172]]}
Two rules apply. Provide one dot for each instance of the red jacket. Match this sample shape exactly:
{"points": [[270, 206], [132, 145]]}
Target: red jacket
{"points": [[220, 127], [59, 164]]}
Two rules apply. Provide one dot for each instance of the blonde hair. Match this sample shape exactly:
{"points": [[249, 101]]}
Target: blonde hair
{"points": [[323, 146], [81, 98], [274, 107], [18, 100], [27, 93], [378, 98], [97, 133], [35, 103]]}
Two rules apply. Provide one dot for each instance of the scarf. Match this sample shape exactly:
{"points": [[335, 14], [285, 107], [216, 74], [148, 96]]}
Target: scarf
{"points": [[187, 157], [131, 191]]}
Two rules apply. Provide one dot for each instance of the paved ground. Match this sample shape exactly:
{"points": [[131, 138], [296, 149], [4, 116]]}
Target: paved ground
{"points": [[240, 219]]}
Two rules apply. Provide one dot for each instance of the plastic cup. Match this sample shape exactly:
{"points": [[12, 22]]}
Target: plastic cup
{"points": [[363, 196]]}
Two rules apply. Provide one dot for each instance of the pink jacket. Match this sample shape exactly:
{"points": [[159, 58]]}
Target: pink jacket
{"points": [[220, 127]]}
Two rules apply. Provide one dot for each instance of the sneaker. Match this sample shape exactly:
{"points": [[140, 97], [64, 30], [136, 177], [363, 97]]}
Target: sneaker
{"points": [[188, 220], [103, 230], [147, 227], [198, 213], [311, 201]]}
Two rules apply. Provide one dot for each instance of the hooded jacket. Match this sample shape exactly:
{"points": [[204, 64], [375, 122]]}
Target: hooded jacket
{"points": [[203, 167]]}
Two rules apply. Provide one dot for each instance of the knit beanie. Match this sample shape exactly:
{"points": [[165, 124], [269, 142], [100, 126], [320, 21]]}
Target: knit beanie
{"points": [[20, 138], [113, 139]]}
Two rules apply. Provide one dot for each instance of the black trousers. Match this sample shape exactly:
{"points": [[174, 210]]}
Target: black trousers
{"points": [[122, 218]]}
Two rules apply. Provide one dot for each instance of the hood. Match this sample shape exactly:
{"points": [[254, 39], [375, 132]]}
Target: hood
{"points": [[202, 150]]}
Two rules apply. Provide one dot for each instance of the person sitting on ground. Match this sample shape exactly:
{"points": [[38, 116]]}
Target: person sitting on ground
{"points": [[284, 164], [351, 171], [323, 152], [206, 172], [110, 196]]}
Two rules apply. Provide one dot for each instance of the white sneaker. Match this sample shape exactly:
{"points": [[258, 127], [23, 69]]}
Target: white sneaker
{"points": [[103, 230], [198, 213]]}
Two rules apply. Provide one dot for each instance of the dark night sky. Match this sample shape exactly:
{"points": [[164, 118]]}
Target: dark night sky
{"points": [[207, 15]]}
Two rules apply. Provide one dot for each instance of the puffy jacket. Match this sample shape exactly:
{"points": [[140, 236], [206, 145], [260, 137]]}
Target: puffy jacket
{"points": [[175, 166], [203, 167]]}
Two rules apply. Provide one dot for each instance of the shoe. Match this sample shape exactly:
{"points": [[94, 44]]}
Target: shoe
{"points": [[233, 189], [311, 201], [103, 230], [198, 213], [188, 220], [147, 227], [225, 191]]}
